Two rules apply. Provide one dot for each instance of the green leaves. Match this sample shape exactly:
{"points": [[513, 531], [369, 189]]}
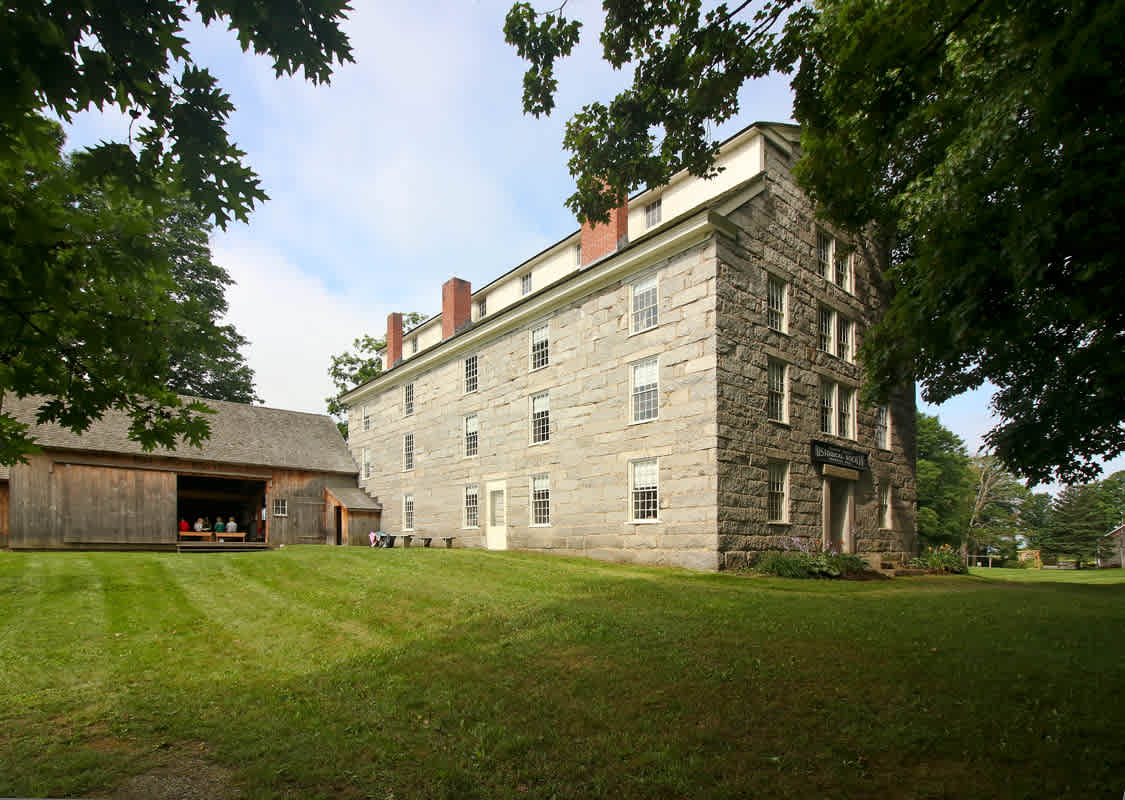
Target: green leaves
{"points": [[541, 43]]}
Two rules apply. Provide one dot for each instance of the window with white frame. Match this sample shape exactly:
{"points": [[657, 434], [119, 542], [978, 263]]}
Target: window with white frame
{"points": [[280, 507], [777, 311], [408, 512], [408, 451], [471, 382], [472, 506], [482, 307], [844, 270], [366, 418], [540, 417], [777, 493], [366, 462], [883, 428], [578, 254], [885, 521], [413, 345], [837, 409], [652, 213], [644, 305], [844, 328], [827, 404], [777, 400], [826, 330], [540, 348], [845, 401], [408, 399], [646, 390], [824, 251], [644, 491], [525, 283], [472, 435], [541, 499]]}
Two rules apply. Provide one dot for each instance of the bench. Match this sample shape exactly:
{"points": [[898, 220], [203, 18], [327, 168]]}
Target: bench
{"points": [[427, 539], [201, 534], [232, 535]]}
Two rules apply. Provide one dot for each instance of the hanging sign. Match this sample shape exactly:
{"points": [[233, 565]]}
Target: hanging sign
{"points": [[828, 453]]}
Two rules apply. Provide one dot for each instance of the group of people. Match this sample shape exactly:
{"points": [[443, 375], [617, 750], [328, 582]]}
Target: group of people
{"points": [[203, 525]]}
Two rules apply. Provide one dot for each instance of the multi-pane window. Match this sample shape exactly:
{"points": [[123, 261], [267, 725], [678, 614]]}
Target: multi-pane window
{"points": [[482, 307], [540, 348], [826, 330], [644, 305], [578, 254], [470, 374], [366, 462], [644, 492], [883, 428], [525, 283], [413, 344], [652, 213], [777, 407], [408, 399], [844, 402], [366, 418], [540, 499], [885, 506], [827, 401], [280, 507], [472, 435], [824, 249], [776, 316], [472, 506], [646, 396], [540, 417], [408, 512], [843, 337], [408, 451], [777, 493], [843, 269]]}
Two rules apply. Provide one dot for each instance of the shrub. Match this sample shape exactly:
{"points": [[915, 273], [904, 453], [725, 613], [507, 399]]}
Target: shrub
{"points": [[943, 559], [811, 561]]}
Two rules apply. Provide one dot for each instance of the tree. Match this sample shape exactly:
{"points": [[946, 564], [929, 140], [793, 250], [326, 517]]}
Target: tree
{"points": [[1079, 521], [959, 144], [945, 484], [994, 522], [357, 366], [88, 288]]}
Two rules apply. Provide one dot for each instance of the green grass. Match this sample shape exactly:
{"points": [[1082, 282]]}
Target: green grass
{"points": [[321, 672], [1051, 575]]}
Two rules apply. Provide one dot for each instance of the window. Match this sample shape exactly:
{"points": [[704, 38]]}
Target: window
{"points": [[777, 398], [844, 402], [646, 397], [366, 418], [883, 428], [644, 305], [408, 451], [540, 418], [540, 348], [843, 337], [827, 399], [652, 213], [408, 399], [366, 462], [472, 435], [413, 344], [777, 494], [776, 306], [824, 247], [280, 507], [408, 512], [826, 341], [578, 254], [470, 374], [482, 307], [646, 500], [472, 506], [525, 284], [540, 499], [885, 521], [844, 270]]}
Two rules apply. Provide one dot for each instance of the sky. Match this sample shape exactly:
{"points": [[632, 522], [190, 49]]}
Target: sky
{"points": [[416, 164]]}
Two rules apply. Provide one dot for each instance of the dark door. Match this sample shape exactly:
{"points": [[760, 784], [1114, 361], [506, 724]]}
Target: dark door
{"points": [[339, 524]]}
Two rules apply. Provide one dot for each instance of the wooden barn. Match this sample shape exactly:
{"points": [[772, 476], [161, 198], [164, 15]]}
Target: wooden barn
{"points": [[285, 477]]}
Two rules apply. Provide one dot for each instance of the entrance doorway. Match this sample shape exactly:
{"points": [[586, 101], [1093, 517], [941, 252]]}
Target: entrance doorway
{"points": [[496, 528], [839, 511], [199, 496]]}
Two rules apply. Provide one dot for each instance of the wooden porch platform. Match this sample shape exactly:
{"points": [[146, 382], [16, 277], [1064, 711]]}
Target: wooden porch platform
{"points": [[220, 547]]}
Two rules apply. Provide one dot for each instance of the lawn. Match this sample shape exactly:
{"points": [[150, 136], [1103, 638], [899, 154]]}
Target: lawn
{"points": [[1087, 576], [350, 672]]}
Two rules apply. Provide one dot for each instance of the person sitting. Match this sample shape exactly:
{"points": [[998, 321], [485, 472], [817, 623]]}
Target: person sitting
{"points": [[232, 526], [199, 525], [184, 527], [219, 526]]}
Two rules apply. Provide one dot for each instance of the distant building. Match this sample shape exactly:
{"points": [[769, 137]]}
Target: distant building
{"points": [[285, 476], [1112, 552], [676, 387]]}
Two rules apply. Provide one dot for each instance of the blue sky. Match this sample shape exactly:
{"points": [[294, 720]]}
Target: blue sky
{"points": [[415, 165]]}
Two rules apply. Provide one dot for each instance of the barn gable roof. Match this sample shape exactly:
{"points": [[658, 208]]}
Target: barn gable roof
{"points": [[240, 434]]}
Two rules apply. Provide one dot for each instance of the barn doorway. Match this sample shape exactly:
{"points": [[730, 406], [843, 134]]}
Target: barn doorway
{"points": [[210, 498]]}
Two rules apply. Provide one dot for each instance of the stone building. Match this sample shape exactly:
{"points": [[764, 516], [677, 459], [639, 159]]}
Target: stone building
{"points": [[676, 387]]}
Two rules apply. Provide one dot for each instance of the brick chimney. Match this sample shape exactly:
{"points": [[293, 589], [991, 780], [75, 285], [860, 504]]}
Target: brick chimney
{"points": [[601, 240], [394, 339], [456, 306]]}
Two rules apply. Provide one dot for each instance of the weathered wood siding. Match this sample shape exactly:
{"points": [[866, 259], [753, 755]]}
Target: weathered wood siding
{"points": [[306, 521], [3, 513]]}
